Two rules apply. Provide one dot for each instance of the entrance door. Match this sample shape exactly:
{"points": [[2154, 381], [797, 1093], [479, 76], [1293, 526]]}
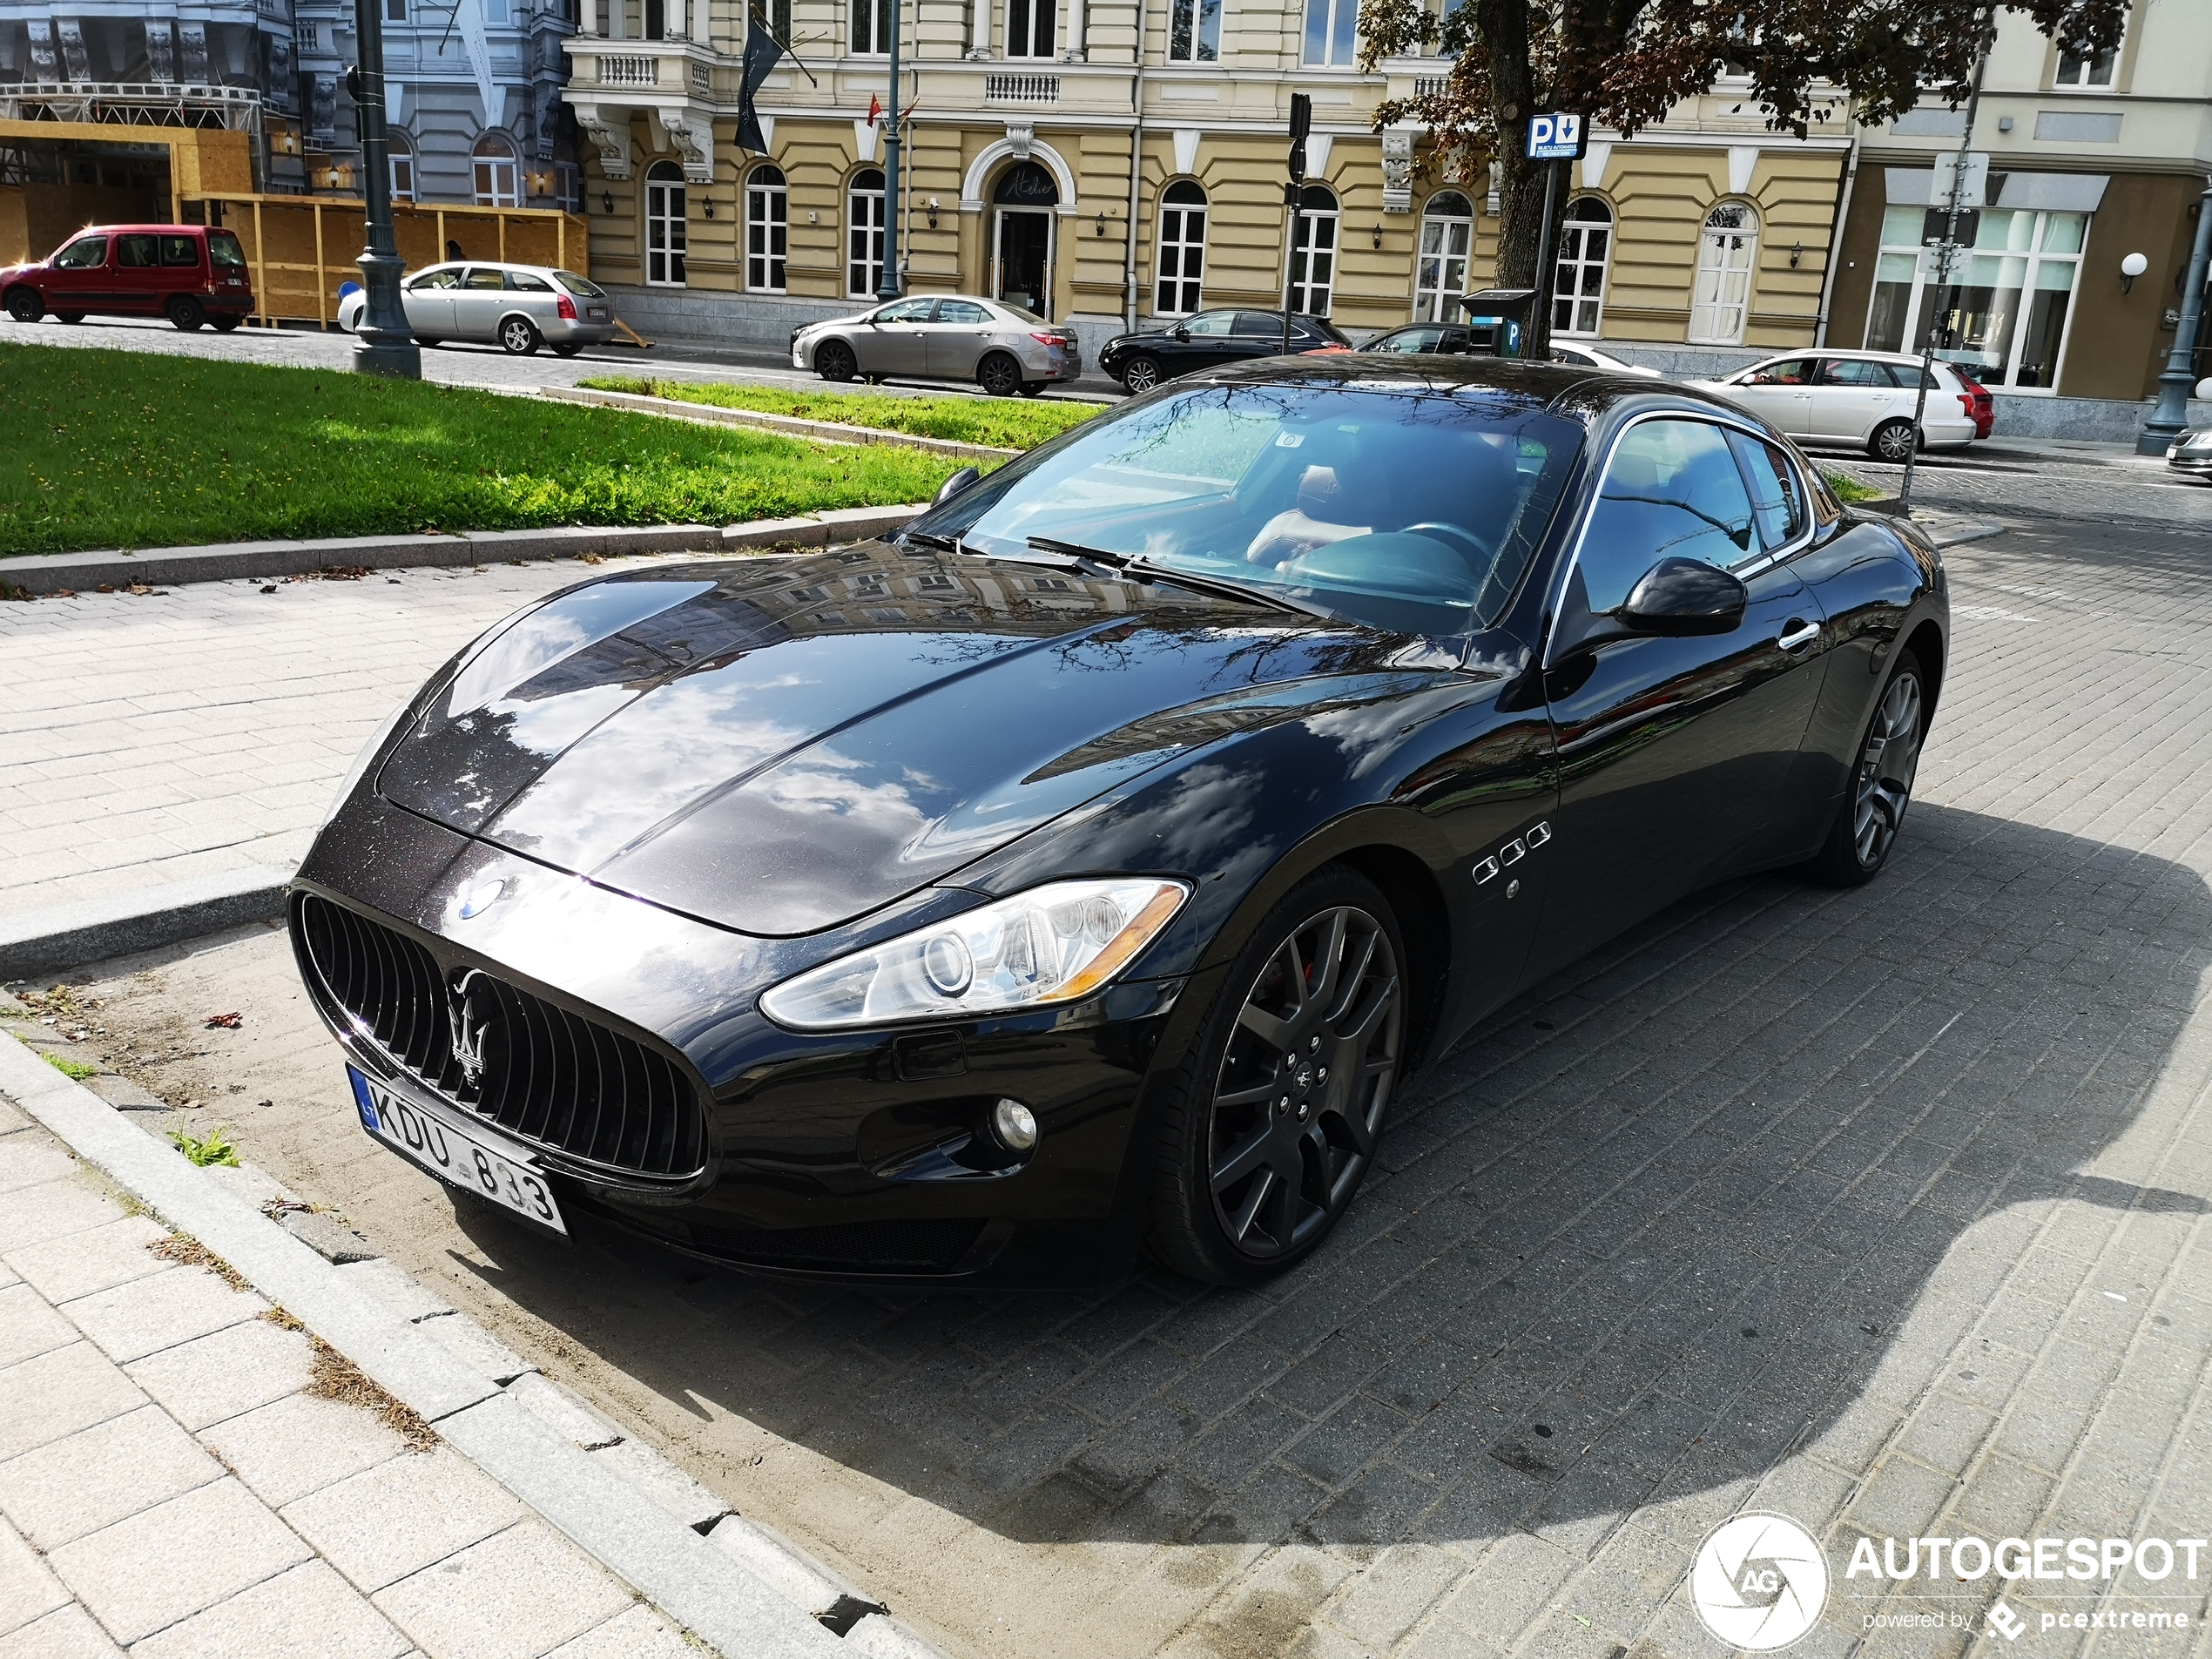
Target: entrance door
{"points": [[665, 224], [1024, 258]]}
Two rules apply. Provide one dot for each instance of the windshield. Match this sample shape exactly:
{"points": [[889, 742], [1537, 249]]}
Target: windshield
{"points": [[223, 247], [581, 285], [1411, 508]]}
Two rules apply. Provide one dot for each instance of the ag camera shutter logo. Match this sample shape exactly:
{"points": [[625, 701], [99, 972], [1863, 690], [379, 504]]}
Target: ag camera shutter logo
{"points": [[1759, 1582]]}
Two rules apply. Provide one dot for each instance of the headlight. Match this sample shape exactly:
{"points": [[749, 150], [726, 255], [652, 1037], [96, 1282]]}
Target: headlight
{"points": [[360, 761], [1053, 944]]}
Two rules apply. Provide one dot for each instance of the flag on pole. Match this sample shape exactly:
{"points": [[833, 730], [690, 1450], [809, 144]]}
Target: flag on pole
{"points": [[763, 52], [875, 109]]}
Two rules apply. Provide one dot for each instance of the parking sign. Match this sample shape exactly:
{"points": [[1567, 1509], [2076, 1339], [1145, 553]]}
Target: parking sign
{"points": [[1554, 137]]}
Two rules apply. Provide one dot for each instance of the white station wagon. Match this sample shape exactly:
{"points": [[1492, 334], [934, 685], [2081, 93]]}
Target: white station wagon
{"points": [[518, 307], [1860, 399]]}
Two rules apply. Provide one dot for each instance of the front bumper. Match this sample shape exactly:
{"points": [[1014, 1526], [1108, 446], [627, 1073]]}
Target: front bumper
{"points": [[854, 1155], [2197, 466]]}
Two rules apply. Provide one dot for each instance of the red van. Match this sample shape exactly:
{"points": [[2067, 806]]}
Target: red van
{"points": [[189, 273]]}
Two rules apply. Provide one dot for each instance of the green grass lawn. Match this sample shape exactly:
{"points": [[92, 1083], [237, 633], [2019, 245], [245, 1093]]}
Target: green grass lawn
{"points": [[1848, 489], [101, 449], [1003, 422]]}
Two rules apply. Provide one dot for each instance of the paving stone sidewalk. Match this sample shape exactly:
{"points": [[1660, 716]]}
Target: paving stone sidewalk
{"points": [[184, 1477]]}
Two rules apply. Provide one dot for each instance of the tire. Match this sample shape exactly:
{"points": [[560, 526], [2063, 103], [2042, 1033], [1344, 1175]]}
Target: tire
{"points": [[227, 325], [24, 305], [429, 342], [998, 375], [1891, 442], [1258, 1153], [833, 360], [1142, 372], [1030, 388], [518, 337], [185, 313], [69, 316], [1872, 809], [568, 350]]}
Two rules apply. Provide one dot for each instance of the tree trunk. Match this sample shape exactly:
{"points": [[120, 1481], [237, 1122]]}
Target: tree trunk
{"points": [[1512, 90]]}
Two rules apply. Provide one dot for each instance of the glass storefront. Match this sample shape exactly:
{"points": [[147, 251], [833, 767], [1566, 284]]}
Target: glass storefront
{"points": [[2012, 290]]}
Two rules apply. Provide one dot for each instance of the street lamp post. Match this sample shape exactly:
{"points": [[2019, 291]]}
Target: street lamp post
{"points": [[2172, 416], [386, 345], [888, 288]]}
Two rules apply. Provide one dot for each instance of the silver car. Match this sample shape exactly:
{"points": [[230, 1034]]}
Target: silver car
{"points": [[945, 337], [518, 306]]}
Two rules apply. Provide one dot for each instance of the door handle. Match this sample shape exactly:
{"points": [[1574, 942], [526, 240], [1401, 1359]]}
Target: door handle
{"points": [[1797, 634]]}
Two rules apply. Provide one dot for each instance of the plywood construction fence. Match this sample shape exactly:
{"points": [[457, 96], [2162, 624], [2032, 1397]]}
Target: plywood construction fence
{"points": [[74, 173], [301, 249]]}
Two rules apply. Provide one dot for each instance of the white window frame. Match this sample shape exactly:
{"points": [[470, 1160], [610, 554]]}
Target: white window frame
{"points": [[1713, 240], [1040, 42], [1330, 14], [667, 210], [401, 159], [498, 174], [2085, 67], [863, 219], [1440, 259], [2034, 258], [1308, 240], [767, 218], [881, 16], [1185, 280], [1199, 25], [1575, 256]]}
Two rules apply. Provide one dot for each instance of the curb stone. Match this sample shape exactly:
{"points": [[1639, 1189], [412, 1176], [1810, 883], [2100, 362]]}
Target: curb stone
{"points": [[749, 1597], [38, 941]]}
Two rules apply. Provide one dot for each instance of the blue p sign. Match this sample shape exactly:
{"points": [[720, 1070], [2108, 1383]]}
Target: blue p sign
{"points": [[1554, 137]]}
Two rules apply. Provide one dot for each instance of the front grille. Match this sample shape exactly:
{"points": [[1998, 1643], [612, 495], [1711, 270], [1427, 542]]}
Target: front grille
{"points": [[542, 1074], [887, 1246]]}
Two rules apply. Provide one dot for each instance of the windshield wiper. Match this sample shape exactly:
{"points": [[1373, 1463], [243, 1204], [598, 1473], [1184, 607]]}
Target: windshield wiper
{"points": [[930, 539], [953, 544], [1144, 569]]}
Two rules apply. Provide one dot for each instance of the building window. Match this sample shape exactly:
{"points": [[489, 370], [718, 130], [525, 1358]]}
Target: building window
{"points": [[496, 159], [774, 15], [873, 21], [495, 13], [2012, 294], [1029, 27], [1721, 295], [568, 186], [1313, 252], [1440, 268], [665, 226], [2086, 74], [394, 11], [1194, 31], [1182, 250], [1330, 29], [402, 157], [1578, 283], [767, 214], [864, 234]]}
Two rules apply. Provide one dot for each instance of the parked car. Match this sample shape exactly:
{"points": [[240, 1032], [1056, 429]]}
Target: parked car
{"points": [[189, 273], [516, 306], [1209, 340], [946, 337], [1455, 339], [2191, 453], [1861, 399], [1086, 868]]}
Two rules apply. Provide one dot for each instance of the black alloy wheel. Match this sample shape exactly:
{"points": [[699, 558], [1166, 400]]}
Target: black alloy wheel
{"points": [[833, 360], [1276, 1113], [24, 305], [69, 316], [998, 375], [1140, 372], [1881, 784], [186, 312], [1893, 441], [519, 337]]}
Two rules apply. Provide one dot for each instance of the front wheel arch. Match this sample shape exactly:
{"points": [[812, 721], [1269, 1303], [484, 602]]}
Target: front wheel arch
{"points": [[1926, 644]]}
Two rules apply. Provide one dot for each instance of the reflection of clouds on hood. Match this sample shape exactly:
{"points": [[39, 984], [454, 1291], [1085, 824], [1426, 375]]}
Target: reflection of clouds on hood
{"points": [[827, 785], [558, 629], [1206, 805], [1369, 733]]}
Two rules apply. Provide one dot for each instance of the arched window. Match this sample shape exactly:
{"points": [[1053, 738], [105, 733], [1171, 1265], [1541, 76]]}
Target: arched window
{"points": [[496, 159], [1313, 252], [402, 158], [864, 234], [666, 224], [1441, 273], [1182, 249], [767, 216], [1578, 282], [1726, 254]]}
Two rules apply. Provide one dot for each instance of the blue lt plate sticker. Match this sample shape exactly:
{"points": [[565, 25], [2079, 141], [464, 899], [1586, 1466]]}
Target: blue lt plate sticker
{"points": [[369, 1120]]}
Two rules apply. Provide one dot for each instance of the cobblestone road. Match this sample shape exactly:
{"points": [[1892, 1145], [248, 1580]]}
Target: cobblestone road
{"points": [[1885, 1211]]}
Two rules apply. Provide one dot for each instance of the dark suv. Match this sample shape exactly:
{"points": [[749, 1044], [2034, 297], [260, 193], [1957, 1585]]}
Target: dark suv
{"points": [[189, 273], [1209, 340]]}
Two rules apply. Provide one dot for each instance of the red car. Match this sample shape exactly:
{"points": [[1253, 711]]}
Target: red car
{"points": [[189, 273]]}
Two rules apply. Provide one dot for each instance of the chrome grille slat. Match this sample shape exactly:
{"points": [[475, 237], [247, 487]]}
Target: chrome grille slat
{"points": [[558, 1079]]}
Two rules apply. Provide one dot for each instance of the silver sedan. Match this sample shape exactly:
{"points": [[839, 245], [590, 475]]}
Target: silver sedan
{"points": [[517, 306], [946, 337]]}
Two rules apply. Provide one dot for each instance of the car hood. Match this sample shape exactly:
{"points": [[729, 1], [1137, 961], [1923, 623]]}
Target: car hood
{"points": [[829, 322], [779, 748]]}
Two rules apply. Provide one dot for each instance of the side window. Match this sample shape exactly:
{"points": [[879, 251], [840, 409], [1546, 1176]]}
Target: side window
{"points": [[1264, 325], [1854, 371], [1777, 494], [525, 282], [907, 311], [966, 313], [180, 251], [480, 277], [1671, 490], [1795, 371], [138, 253], [1210, 322], [85, 253]]}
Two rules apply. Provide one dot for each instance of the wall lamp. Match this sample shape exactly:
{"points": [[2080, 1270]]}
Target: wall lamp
{"points": [[1378, 234], [708, 202], [607, 201], [2131, 268], [933, 213], [1797, 253], [1102, 222]]}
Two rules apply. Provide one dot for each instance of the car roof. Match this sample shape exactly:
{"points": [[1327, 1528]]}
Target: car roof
{"points": [[1584, 394], [164, 230]]}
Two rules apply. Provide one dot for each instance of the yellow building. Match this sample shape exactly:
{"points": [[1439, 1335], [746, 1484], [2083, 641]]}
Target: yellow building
{"points": [[1051, 161]]}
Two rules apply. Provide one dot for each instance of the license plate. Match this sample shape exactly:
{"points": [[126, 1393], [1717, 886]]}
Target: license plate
{"points": [[597, 314], [490, 1169]]}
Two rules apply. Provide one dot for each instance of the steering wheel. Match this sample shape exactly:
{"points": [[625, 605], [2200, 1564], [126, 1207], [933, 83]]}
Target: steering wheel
{"points": [[1454, 534]]}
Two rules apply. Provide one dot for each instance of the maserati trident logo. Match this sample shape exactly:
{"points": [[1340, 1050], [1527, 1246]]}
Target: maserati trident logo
{"points": [[466, 1032]]}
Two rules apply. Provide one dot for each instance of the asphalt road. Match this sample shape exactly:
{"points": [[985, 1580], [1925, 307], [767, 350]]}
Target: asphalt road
{"points": [[1886, 1210]]}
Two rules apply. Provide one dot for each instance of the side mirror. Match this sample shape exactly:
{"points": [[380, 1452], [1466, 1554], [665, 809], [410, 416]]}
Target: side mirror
{"points": [[957, 482], [1180, 332], [1679, 597]]}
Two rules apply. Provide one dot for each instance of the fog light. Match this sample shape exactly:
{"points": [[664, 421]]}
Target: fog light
{"points": [[1015, 1124]]}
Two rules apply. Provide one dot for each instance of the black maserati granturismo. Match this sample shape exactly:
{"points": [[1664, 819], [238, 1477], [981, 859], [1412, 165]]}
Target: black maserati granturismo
{"points": [[1084, 870]]}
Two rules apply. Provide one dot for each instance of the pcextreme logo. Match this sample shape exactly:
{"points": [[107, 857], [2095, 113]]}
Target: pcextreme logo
{"points": [[1759, 1582]]}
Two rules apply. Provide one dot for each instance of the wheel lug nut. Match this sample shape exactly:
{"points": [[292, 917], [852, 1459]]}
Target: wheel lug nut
{"points": [[1324, 1074], [1315, 1044]]}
